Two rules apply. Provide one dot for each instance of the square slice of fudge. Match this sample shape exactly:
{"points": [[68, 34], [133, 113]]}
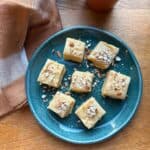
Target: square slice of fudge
{"points": [[90, 112], [52, 73], [115, 85], [81, 82], [61, 104], [74, 50], [103, 55]]}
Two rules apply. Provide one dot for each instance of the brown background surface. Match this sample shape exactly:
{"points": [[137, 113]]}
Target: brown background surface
{"points": [[130, 19]]}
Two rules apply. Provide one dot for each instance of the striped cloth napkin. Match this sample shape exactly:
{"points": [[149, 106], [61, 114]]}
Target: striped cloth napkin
{"points": [[24, 25]]}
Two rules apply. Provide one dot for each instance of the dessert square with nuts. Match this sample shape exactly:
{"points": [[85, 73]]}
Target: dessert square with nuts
{"points": [[74, 50], [103, 55], [90, 112], [81, 82], [52, 73], [116, 85], [61, 104]]}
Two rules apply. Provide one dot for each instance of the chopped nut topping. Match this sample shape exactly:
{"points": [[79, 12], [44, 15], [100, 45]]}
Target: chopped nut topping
{"points": [[78, 121], [50, 68], [67, 93], [97, 72], [86, 63], [58, 54], [53, 51], [45, 87], [71, 44], [88, 41], [75, 69], [69, 78], [103, 56], [119, 94], [91, 111], [43, 96], [45, 100], [87, 52], [65, 84], [81, 82], [62, 106], [118, 58], [95, 83], [49, 73], [118, 84], [88, 45], [46, 74], [76, 52]]}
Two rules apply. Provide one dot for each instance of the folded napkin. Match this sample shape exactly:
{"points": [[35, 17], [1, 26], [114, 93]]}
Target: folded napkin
{"points": [[24, 25]]}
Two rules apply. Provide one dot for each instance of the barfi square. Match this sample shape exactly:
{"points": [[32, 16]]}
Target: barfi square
{"points": [[103, 55], [61, 104], [74, 50], [115, 85], [81, 82], [90, 112], [52, 73]]}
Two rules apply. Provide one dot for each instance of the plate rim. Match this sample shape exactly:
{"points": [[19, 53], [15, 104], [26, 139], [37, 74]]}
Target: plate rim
{"points": [[131, 114]]}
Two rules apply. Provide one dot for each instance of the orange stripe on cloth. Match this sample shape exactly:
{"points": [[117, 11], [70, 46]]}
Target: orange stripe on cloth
{"points": [[12, 96]]}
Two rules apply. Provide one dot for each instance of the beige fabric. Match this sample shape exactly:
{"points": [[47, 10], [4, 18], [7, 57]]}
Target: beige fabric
{"points": [[23, 23], [11, 68]]}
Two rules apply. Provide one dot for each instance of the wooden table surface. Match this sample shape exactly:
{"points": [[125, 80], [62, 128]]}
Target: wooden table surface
{"points": [[130, 19]]}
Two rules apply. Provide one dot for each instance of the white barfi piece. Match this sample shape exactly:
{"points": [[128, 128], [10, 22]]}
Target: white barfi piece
{"points": [[52, 73], [61, 104], [90, 112], [74, 50], [115, 85], [103, 55], [81, 82]]}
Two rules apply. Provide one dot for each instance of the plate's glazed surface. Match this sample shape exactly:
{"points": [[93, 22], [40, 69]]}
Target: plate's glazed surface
{"points": [[119, 113]]}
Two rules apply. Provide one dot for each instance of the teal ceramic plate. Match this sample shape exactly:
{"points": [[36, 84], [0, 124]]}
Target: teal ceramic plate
{"points": [[119, 113]]}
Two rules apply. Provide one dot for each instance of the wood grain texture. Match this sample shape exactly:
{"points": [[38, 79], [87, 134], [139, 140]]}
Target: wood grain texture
{"points": [[131, 21]]}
